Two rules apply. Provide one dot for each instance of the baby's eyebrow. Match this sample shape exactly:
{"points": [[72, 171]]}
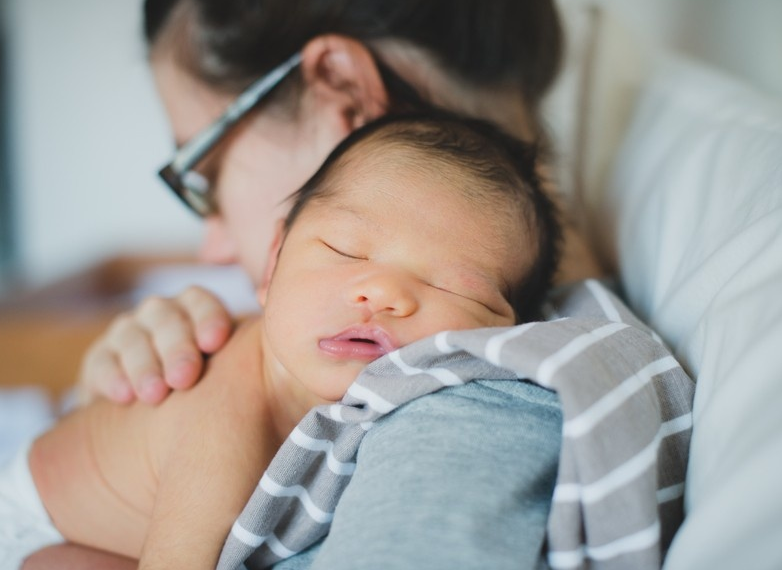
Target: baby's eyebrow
{"points": [[348, 208], [353, 216]]}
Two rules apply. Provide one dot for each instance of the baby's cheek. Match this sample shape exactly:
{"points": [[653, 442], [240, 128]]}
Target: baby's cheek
{"points": [[456, 318]]}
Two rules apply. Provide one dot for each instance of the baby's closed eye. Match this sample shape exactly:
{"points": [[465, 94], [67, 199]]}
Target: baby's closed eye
{"points": [[341, 251]]}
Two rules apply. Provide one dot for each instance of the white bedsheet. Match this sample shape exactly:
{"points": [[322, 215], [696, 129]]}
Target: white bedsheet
{"points": [[24, 413]]}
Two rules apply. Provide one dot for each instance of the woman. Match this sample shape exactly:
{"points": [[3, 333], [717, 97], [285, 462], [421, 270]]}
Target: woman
{"points": [[357, 60]]}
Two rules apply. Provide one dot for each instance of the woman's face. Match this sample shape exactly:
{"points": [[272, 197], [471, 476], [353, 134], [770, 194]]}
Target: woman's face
{"points": [[252, 171]]}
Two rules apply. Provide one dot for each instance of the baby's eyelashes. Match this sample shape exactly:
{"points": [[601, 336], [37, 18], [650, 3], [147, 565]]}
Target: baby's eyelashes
{"points": [[473, 297], [343, 253]]}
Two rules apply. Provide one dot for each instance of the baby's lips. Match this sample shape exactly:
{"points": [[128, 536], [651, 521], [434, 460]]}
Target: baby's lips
{"points": [[371, 333], [360, 341]]}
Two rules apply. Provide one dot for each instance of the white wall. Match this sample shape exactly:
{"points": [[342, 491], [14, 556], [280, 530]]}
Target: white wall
{"points": [[87, 138], [743, 37], [88, 134]]}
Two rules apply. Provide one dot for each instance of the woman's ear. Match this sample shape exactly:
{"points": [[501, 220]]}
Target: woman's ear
{"points": [[342, 74], [262, 292]]}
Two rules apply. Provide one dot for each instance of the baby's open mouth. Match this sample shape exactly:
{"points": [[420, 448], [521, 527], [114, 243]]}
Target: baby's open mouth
{"points": [[363, 343]]}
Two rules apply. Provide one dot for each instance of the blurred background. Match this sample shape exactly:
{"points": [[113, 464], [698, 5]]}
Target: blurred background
{"points": [[83, 138], [83, 217]]}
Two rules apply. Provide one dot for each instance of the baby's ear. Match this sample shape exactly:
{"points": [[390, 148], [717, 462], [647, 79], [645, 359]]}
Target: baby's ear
{"points": [[271, 261]]}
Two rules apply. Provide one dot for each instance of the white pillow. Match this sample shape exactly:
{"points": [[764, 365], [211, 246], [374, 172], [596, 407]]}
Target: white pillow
{"points": [[694, 215]]}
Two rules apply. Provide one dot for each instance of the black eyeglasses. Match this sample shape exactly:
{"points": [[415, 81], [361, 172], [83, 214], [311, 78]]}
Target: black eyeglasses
{"points": [[190, 186]]}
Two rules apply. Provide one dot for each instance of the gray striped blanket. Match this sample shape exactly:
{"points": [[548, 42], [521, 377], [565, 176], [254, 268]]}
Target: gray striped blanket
{"points": [[626, 407]]}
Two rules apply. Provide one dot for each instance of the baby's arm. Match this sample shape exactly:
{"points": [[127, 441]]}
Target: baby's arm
{"points": [[211, 456], [203, 486], [76, 557]]}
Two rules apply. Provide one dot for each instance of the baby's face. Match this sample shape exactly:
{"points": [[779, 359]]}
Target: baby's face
{"points": [[391, 255]]}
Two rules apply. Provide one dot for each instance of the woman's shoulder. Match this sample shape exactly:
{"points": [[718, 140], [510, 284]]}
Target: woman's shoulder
{"points": [[503, 414], [476, 398], [479, 455]]}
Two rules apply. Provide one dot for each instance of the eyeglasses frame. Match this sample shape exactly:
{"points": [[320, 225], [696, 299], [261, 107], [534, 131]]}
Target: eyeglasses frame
{"points": [[198, 200]]}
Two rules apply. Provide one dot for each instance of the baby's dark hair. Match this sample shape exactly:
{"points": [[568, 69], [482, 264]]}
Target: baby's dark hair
{"points": [[501, 169]]}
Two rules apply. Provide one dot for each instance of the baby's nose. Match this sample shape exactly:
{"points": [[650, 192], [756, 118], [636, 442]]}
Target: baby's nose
{"points": [[386, 291]]}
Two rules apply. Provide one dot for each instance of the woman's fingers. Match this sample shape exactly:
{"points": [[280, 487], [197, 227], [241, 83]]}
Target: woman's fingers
{"points": [[171, 332], [102, 375], [212, 321], [182, 329], [134, 349], [157, 347]]}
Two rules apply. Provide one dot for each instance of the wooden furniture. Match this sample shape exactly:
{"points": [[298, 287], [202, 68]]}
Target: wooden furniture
{"points": [[44, 333]]}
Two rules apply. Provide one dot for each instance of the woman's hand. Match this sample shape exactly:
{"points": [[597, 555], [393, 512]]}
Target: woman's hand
{"points": [[158, 347]]}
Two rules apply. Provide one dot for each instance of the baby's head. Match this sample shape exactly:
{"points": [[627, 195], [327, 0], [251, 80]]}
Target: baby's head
{"points": [[492, 170], [414, 225]]}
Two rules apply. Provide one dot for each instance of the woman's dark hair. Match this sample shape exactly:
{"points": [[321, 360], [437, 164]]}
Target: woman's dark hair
{"points": [[497, 167], [486, 43]]}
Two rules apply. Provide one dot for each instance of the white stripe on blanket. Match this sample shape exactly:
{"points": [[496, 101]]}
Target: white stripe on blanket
{"points": [[614, 379]]}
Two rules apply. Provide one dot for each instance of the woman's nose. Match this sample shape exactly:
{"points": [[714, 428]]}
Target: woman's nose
{"points": [[386, 291]]}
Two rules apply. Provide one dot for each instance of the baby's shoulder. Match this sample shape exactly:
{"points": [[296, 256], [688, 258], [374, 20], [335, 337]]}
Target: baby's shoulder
{"points": [[225, 406]]}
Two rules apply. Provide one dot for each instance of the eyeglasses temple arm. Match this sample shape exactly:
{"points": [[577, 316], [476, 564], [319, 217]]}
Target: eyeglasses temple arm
{"points": [[190, 154]]}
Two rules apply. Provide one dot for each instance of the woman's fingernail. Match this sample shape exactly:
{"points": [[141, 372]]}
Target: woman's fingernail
{"points": [[122, 392], [183, 372], [151, 388], [211, 336]]}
